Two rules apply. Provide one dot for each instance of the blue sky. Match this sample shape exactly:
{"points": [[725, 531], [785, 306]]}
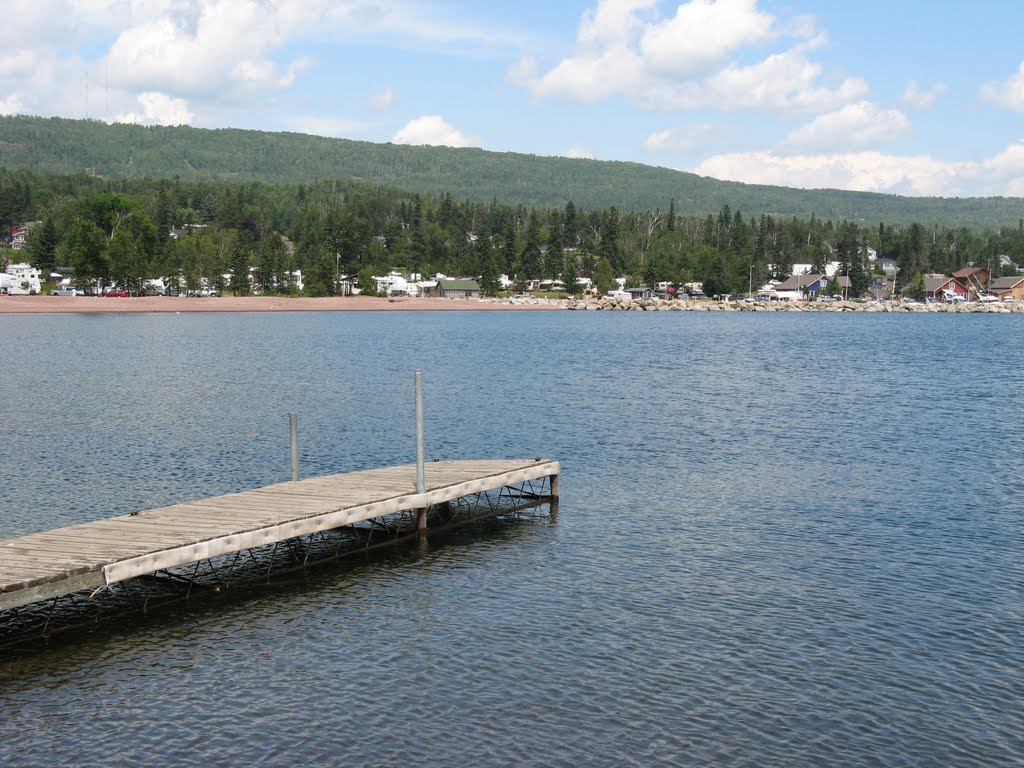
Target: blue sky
{"points": [[916, 98]]}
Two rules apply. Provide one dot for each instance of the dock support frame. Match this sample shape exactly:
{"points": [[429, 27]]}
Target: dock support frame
{"points": [[53, 615]]}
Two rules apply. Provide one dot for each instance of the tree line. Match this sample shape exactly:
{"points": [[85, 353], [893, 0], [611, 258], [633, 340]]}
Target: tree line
{"points": [[120, 232], [60, 146]]}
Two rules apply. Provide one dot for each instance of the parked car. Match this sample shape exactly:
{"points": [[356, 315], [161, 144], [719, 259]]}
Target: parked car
{"points": [[115, 293], [67, 292], [204, 292], [171, 290]]}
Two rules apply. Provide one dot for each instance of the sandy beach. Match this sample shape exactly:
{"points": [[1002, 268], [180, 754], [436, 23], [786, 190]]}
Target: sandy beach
{"points": [[92, 304]]}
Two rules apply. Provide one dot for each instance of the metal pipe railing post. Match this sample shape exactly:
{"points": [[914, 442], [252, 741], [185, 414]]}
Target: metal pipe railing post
{"points": [[420, 482], [421, 485], [293, 424]]}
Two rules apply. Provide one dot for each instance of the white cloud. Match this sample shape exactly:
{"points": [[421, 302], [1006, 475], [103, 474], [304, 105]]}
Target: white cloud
{"points": [[435, 131], [587, 78], [918, 175], [703, 34], [691, 60], [1003, 171], [856, 126], [688, 138], [914, 97], [612, 20], [225, 46], [158, 109], [17, 64], [864, 171], [784, 81], [12, 105], [382, 99], [1009, 93], [217, 54], [576, 151]]}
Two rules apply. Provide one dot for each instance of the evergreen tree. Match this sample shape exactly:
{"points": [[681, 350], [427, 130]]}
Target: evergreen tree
{"points": [[911, 259], [553, 256], [530, 256], [570, 232], [239, 267], [269, 258], [489, 285], [507, 261], [318, 279], [163, 215], [610, 239], [570, 273], [42, 245], [417, 237]]}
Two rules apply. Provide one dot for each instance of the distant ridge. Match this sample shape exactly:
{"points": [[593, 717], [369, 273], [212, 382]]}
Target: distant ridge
{"points": [[61, 146]]}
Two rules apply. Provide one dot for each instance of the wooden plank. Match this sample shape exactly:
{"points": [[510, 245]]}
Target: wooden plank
{"points": [[149, 562], [49, 590], [167, 527], [24, 559], [130, 545], [77, 545]]}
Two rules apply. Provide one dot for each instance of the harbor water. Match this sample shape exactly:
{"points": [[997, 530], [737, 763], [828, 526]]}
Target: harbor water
{"points": [[783, 539]]}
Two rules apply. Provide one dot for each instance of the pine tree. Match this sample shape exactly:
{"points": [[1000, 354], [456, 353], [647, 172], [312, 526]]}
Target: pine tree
{"points": [[529, 257], [570, 273], [609, 245], [570, 232], [553, 257], [417, 237], [506, 258], [239, 266], [42, 246], [489, 285]]}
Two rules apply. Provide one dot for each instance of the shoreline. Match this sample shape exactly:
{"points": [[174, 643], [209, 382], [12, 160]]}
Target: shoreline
{"points": [[178, 304], [175, 304]]}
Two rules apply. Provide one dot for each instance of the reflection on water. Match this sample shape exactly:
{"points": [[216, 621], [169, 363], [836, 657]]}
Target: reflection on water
{"points": [[781, 540]]}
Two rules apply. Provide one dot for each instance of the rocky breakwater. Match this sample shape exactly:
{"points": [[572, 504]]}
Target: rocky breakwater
{"points": [[627, 305]]}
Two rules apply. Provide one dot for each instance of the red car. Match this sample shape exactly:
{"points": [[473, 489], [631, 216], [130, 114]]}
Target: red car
{"points": [[116, 293]]}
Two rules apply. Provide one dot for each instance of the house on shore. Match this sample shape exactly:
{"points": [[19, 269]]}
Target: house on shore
{"points": [[805, 284], [1008, 288], [448, 288], [974, 279], [942, 288], [640, 294]]}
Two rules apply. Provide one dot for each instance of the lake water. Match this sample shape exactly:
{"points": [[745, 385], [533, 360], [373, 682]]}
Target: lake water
{"points": [[783, 539]]}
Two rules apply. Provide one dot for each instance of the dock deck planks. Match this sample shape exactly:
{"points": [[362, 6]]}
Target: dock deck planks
{"points": [[54, 563]]}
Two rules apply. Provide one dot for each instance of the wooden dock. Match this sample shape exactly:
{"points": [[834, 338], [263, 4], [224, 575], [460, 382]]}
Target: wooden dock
{"points": [[91, 556]]}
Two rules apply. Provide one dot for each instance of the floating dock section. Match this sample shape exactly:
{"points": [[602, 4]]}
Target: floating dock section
{"points": [[91, 557]]}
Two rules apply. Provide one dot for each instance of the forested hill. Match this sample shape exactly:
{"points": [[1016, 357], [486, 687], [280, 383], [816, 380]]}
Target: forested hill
{"points": [[60, 146]]}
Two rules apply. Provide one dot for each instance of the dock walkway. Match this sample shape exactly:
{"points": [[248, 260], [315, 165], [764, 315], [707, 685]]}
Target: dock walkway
{"points": [[51, 564]]}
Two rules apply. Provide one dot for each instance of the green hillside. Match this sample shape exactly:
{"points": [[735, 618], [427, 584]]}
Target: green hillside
{"points": [[60, 146]]}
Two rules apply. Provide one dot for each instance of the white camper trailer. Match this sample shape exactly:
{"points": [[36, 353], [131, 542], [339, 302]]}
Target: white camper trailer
{"points": [[20, 280]]}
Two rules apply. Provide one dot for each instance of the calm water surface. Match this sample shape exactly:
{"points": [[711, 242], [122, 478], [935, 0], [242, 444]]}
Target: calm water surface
{"points": [[782, 540]]}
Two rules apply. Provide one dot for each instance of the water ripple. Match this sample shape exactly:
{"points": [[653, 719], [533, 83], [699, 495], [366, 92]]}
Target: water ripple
{"points": [[782, 541]]}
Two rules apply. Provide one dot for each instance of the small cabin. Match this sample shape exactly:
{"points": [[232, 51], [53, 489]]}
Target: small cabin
{"points": [[458, 289]]}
